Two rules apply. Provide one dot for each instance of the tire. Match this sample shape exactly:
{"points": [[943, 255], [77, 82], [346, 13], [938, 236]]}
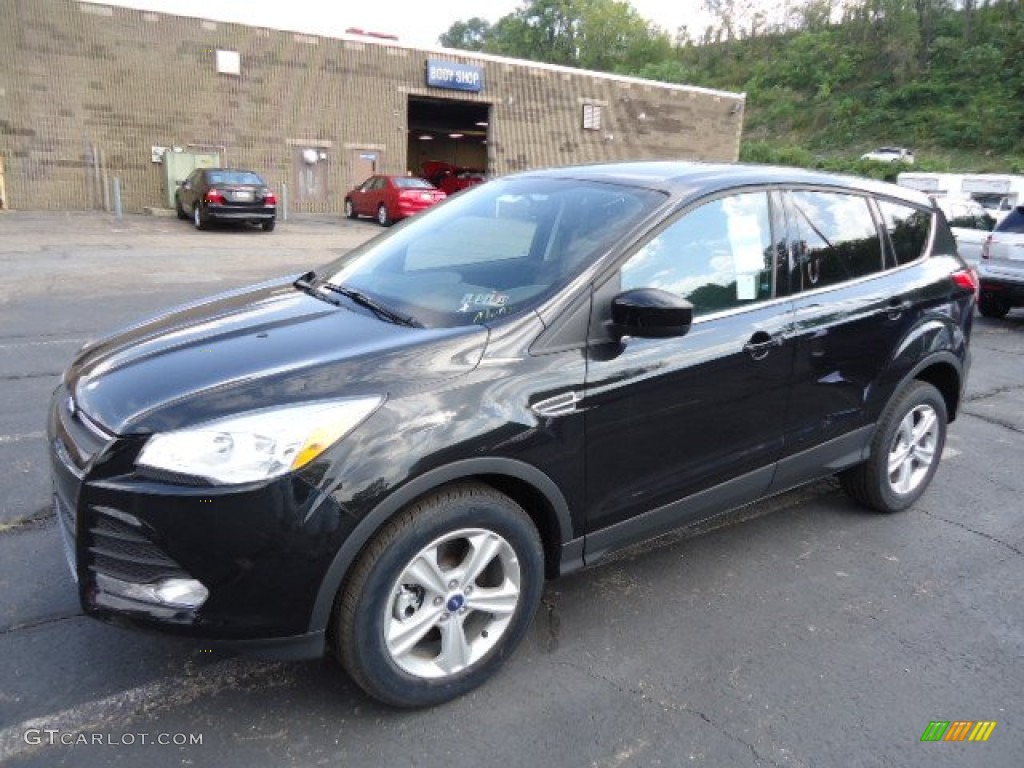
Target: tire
{"points": [[423, 571], [382, 215], [993, 307], [905, 451], [350, 210], [198, 220], [178, 209], [268, 226]]}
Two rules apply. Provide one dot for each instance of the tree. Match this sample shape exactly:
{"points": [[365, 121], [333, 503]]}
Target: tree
{"points": [[606, 35], [471, 35]]}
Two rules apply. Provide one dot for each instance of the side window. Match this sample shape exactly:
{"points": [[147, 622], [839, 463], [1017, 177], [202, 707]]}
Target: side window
{"points": [[908, 230], [717, 256], [837, 240]]}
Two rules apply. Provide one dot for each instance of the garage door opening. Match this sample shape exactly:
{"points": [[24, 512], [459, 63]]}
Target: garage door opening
{"points": [[448, 141]]}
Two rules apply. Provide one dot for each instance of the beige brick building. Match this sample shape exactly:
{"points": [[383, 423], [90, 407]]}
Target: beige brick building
{"points": [[92, 92]]}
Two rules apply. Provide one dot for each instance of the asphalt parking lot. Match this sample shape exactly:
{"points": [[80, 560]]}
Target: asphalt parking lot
{"points": [[805, 632]]}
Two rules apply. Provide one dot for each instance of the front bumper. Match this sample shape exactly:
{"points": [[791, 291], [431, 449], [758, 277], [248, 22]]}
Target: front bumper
{"points": [[261, 550]]}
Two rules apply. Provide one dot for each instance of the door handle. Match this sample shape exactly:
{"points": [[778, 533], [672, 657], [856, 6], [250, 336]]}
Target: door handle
{"points": [[761, 343], [894, 309]]}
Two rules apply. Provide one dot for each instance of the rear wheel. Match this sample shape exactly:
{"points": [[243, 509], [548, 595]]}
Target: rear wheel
{"points": [[268, 226], [991, 306], [350, 211], [382, 215], [178, 209], [905, 451], [440, 597], [198, 219]]}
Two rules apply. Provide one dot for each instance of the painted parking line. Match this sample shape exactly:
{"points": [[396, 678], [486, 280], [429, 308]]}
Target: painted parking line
{"points": [[43, 343], [5, 439], [114, 711]]}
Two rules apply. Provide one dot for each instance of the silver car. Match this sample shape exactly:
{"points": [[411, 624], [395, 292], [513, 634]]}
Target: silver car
{"points": [[1001, 269], [970, 224]]}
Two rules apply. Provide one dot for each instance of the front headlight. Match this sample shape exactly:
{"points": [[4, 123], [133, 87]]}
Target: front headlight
{"points": [[257, 445]]}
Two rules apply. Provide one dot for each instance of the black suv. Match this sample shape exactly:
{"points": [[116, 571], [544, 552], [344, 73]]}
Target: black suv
{"points": [[387, 457], [226, 194]]}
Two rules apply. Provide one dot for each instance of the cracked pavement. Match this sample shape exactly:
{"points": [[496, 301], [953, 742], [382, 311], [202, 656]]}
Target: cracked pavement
{"points": [[801, 631]]}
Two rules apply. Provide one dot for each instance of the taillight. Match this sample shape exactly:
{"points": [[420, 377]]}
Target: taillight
{"points": [[985, 248], [269, 198], [214, 195], [967, 279]]}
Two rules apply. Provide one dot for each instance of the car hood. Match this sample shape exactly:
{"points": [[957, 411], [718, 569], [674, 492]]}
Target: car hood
{"points": [[266, 345]]}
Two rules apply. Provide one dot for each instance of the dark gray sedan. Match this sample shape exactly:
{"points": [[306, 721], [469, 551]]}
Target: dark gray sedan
{"points": [[226, 194]]}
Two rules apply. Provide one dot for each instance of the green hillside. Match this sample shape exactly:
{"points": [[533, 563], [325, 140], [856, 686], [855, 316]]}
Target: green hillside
{"points": [[824, 85]]}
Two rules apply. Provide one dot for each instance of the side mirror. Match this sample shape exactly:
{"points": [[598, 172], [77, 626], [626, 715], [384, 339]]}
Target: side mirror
{"points": [[650, 313]]}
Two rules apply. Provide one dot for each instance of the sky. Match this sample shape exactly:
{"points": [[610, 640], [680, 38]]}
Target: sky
{"points": [[416, 22]]}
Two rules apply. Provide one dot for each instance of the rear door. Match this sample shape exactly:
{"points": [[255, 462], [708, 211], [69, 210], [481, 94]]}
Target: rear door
{"points": [[678, 428], [853, 304], [187, 194], [361, 197]]}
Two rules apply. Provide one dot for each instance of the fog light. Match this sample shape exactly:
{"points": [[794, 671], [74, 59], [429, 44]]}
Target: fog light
{"points": [[181, 593], [171, 593]]}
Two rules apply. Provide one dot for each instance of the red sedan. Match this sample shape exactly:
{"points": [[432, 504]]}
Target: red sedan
{"points": [[390, 198]]}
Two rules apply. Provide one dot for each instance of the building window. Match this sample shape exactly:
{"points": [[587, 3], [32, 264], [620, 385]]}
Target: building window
{"points": [[592, 117], [229, 62]]}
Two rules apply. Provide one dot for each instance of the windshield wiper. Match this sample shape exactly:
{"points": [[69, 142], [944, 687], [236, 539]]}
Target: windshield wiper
{"points": [[305, 284], [373, 305]]}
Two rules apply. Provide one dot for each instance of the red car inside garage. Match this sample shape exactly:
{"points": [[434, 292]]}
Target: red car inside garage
{"points": [[390, 198]]}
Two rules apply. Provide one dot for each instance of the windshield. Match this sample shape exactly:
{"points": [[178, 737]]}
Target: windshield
{"points": [[495, 250], [1014, 222]]}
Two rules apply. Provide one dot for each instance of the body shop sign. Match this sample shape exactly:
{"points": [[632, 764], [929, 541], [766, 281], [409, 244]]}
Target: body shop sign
{"points": [[454, 76]]}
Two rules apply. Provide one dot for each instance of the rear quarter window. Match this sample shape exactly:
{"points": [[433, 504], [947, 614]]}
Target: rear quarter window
{"points": [[908, 229]]}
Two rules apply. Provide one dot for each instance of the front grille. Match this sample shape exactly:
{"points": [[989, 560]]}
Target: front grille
{"points": [[120, 548]]}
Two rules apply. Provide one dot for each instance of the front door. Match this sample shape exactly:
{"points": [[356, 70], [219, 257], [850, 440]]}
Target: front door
{"points": [[680, 427]]}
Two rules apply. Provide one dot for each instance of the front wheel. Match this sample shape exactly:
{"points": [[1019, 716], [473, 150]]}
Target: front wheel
{"points": [[350, 210], [905, 451], [441, 596]]}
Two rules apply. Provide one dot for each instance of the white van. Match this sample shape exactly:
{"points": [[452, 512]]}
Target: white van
{"points": [[999, 193]]}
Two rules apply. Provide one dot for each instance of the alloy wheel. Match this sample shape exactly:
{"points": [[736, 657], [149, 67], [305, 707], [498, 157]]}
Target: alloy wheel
{"points": [[452, 603], [913, 449]]}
